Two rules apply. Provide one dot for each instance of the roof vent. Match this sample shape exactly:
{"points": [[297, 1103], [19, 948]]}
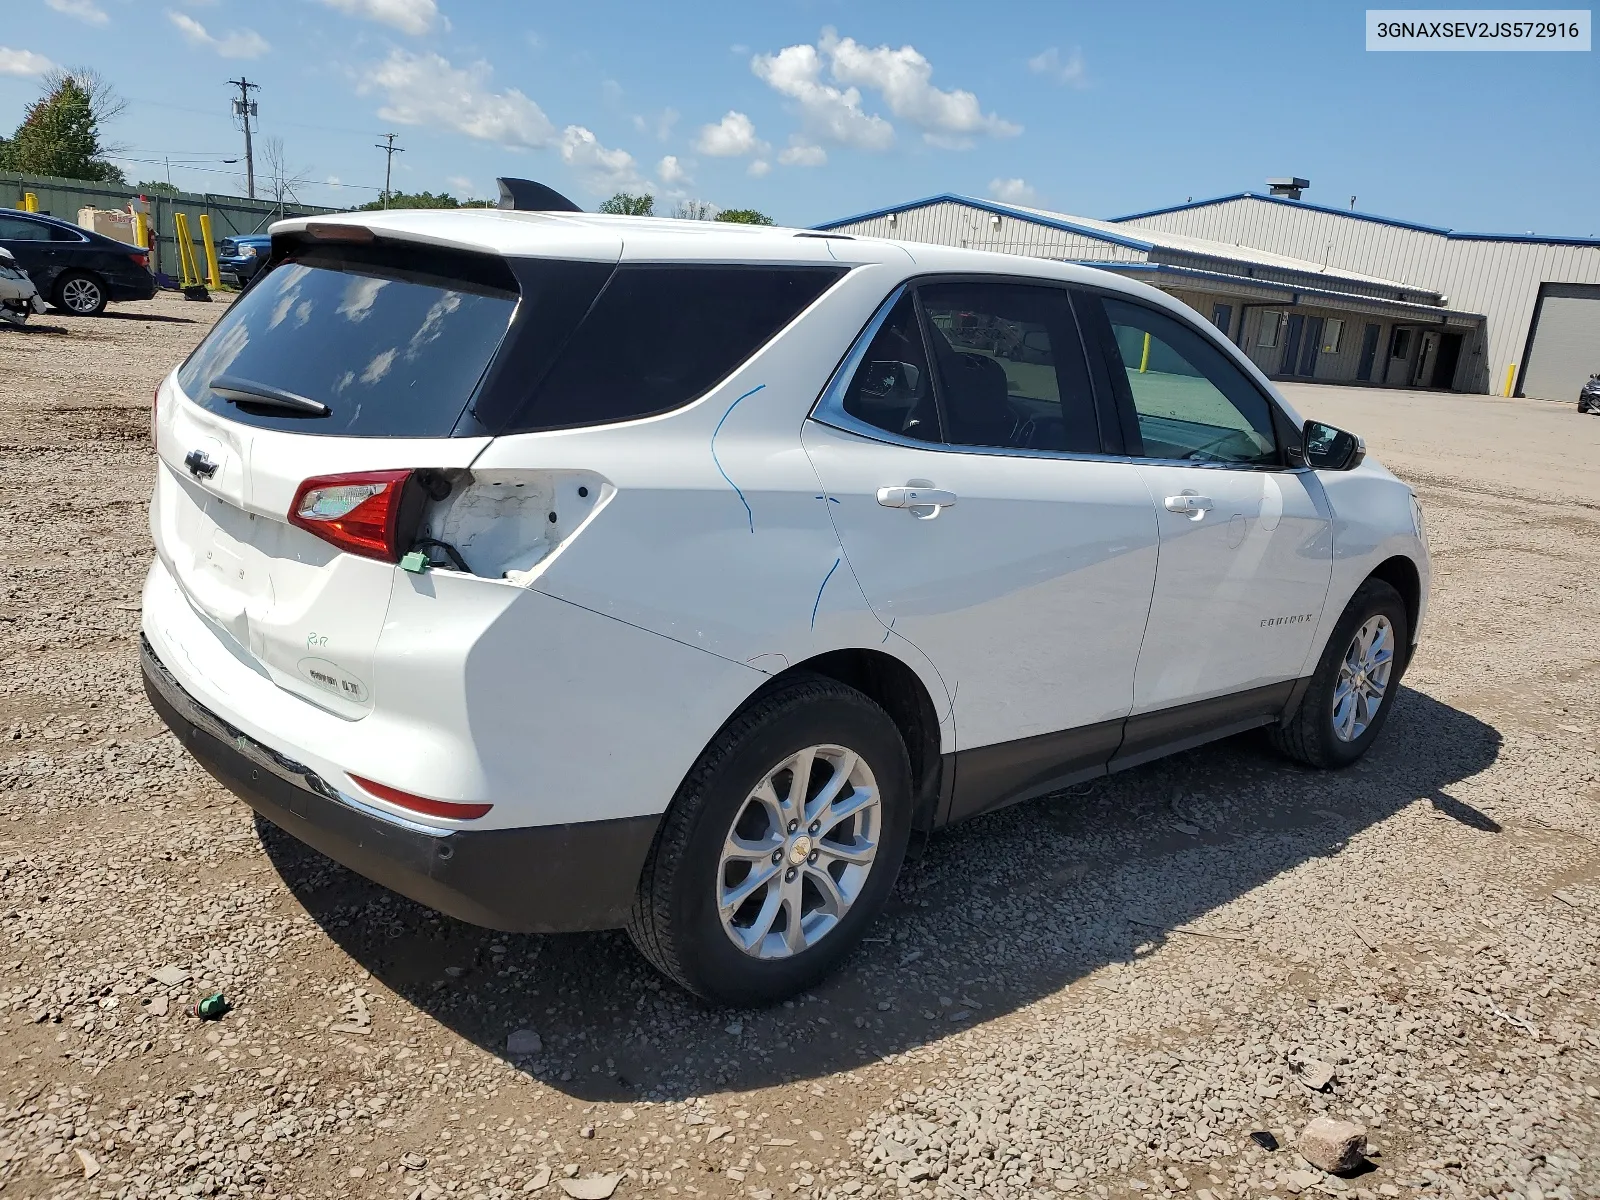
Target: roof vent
{"points": [[1289, 188], [524, 195]]}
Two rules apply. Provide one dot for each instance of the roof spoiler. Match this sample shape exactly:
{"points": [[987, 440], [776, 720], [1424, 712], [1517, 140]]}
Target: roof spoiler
{"points": [[524, 195]]}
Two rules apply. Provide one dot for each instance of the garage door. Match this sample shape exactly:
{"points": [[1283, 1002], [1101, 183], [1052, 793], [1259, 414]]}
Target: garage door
{"points": [[1565, 348]]}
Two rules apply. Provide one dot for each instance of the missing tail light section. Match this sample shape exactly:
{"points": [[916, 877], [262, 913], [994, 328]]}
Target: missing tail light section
{"points": [[448, 809], [509, 524]]}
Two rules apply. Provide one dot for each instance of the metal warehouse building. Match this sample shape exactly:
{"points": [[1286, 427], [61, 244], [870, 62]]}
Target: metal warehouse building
{"points": [[1312, 292]]}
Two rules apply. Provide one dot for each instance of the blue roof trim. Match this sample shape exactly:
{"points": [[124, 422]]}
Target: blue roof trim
{"points": [[1546, 239], [1003, 210], [1269, 284]]}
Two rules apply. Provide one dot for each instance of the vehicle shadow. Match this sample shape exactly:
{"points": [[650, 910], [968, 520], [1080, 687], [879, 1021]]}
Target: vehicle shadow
{"points": [[995, 914], [112, 314]]}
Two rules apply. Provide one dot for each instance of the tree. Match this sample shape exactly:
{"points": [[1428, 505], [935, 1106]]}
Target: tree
{"points": [[279, 177], [60, 132], [696, 210], [155, 187], [624, 204], [744, 216], [421, 200]]}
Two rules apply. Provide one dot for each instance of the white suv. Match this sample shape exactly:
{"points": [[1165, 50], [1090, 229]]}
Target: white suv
{"points": [[564, 571]]}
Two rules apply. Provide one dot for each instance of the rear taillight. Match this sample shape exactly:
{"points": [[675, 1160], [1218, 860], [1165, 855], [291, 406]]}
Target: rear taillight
{"points": [[421, 804], [141, 259], [359, 512]]}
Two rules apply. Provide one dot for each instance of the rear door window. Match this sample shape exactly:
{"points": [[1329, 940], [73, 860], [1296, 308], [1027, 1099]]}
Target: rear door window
{"points": [[395, 346], [661, 336]]}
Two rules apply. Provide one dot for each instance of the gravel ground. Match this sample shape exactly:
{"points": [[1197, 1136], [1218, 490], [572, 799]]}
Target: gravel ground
{"points": [[1101, 994]]}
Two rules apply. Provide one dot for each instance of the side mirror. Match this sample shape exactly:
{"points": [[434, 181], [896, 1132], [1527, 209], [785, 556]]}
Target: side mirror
{"points": [[1331, 449], [887, 379]]}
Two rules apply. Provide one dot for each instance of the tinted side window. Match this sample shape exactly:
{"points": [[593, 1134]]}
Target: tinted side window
{"points": [[892, 389], [659, 337], [15, 229], [1011, 367], [1191, 402]]}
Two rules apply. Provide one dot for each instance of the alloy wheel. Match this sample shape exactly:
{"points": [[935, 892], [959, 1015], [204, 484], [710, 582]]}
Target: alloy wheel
{"points": [[1363, 678], [80, 295], [799, 852]]}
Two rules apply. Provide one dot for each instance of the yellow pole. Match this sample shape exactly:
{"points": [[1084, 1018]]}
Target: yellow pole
{"points": [[186, 262], [141, 230], [1144, 360], [212, 277], [1511, 379], [30, 202]]}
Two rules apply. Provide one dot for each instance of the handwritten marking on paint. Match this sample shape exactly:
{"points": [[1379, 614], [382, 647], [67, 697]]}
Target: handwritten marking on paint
{"points": [[889, 630], [831, 499], [749, 516], [818, 603]]}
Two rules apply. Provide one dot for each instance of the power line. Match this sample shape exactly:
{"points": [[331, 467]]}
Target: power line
{"points": [[365, 187]]}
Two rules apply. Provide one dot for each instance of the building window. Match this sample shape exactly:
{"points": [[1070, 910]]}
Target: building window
{"points": [[1267, 335], [1400, 346], [1331, 329], [1222, 316]]}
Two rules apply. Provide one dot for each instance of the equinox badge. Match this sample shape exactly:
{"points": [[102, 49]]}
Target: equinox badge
{"points": [[200, 464]]}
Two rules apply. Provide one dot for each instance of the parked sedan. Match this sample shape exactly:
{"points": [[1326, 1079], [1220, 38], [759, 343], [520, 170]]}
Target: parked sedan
{"points": [[240, 257], [77, 270]]}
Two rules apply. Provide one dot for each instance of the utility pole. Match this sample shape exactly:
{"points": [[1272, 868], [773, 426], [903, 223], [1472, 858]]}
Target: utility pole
{"points": [[389, 151], [244, 108]]}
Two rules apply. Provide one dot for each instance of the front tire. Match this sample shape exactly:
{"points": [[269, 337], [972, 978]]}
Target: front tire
{"points": [[81, 294], [780, 848], [1354, 685]]}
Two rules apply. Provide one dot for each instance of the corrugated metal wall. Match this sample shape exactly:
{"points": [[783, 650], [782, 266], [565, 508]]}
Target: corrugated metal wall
{"points": [[1497, 278], [62, 198]]}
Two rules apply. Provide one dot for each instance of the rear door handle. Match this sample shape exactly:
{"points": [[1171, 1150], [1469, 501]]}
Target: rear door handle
{"points": [[915, 498], [1192, 506]]}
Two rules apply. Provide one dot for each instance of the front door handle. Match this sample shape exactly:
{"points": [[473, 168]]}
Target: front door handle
{"points": [[1190, 505], [924, 502]]}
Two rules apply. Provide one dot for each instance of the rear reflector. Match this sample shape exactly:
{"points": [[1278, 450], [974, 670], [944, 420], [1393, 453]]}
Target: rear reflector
{"points": [[359, 512], [421, 804]]}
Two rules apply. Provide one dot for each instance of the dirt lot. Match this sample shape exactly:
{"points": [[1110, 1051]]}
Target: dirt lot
{"points": [[1102, 994]]}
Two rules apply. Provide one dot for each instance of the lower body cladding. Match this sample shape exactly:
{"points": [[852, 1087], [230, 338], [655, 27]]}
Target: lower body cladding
{"points": [[544, 879]]}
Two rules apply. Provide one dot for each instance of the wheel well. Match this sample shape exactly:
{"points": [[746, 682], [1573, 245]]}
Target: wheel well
{"points": [[897, 690], [1400, 573]]}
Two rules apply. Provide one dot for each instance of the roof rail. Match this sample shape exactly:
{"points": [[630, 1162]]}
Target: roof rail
{"points": [[525, 195]]}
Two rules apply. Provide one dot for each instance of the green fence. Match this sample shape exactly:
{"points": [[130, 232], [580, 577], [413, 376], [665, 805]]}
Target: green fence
{"points": [[62, 198]]}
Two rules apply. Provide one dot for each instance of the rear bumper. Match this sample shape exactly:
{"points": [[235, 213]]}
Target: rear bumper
{"points": [[543, 879], [131, 287]]}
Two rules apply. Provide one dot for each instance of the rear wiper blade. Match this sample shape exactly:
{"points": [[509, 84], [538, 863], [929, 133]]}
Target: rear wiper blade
{"points": [[235, 390]]}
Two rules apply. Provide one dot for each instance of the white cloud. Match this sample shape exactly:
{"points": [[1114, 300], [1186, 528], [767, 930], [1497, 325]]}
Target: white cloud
{"points": [[1013, 191], [828, 113], [826, 81], [672, 172], [427, 89], [1049, 63], [23, 62], [236, 43], [83, 10], [461, 183], [903, 78], [758, 169], [732, 137], [802, 153], [600, 169], [408, 16]]}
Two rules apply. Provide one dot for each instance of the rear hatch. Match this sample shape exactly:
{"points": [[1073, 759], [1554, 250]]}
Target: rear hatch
{"points": [[347, 358]]}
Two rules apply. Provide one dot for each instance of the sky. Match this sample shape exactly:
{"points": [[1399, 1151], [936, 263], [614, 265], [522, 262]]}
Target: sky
{"points": [[813, 110]]}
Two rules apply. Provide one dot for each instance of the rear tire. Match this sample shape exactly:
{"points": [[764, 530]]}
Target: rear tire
{"points": [[733, 904], [1354, 685], [81, 294]]}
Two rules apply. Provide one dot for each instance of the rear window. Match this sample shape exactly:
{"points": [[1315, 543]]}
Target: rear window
{"points": [[394, 345], [659, 337]]}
